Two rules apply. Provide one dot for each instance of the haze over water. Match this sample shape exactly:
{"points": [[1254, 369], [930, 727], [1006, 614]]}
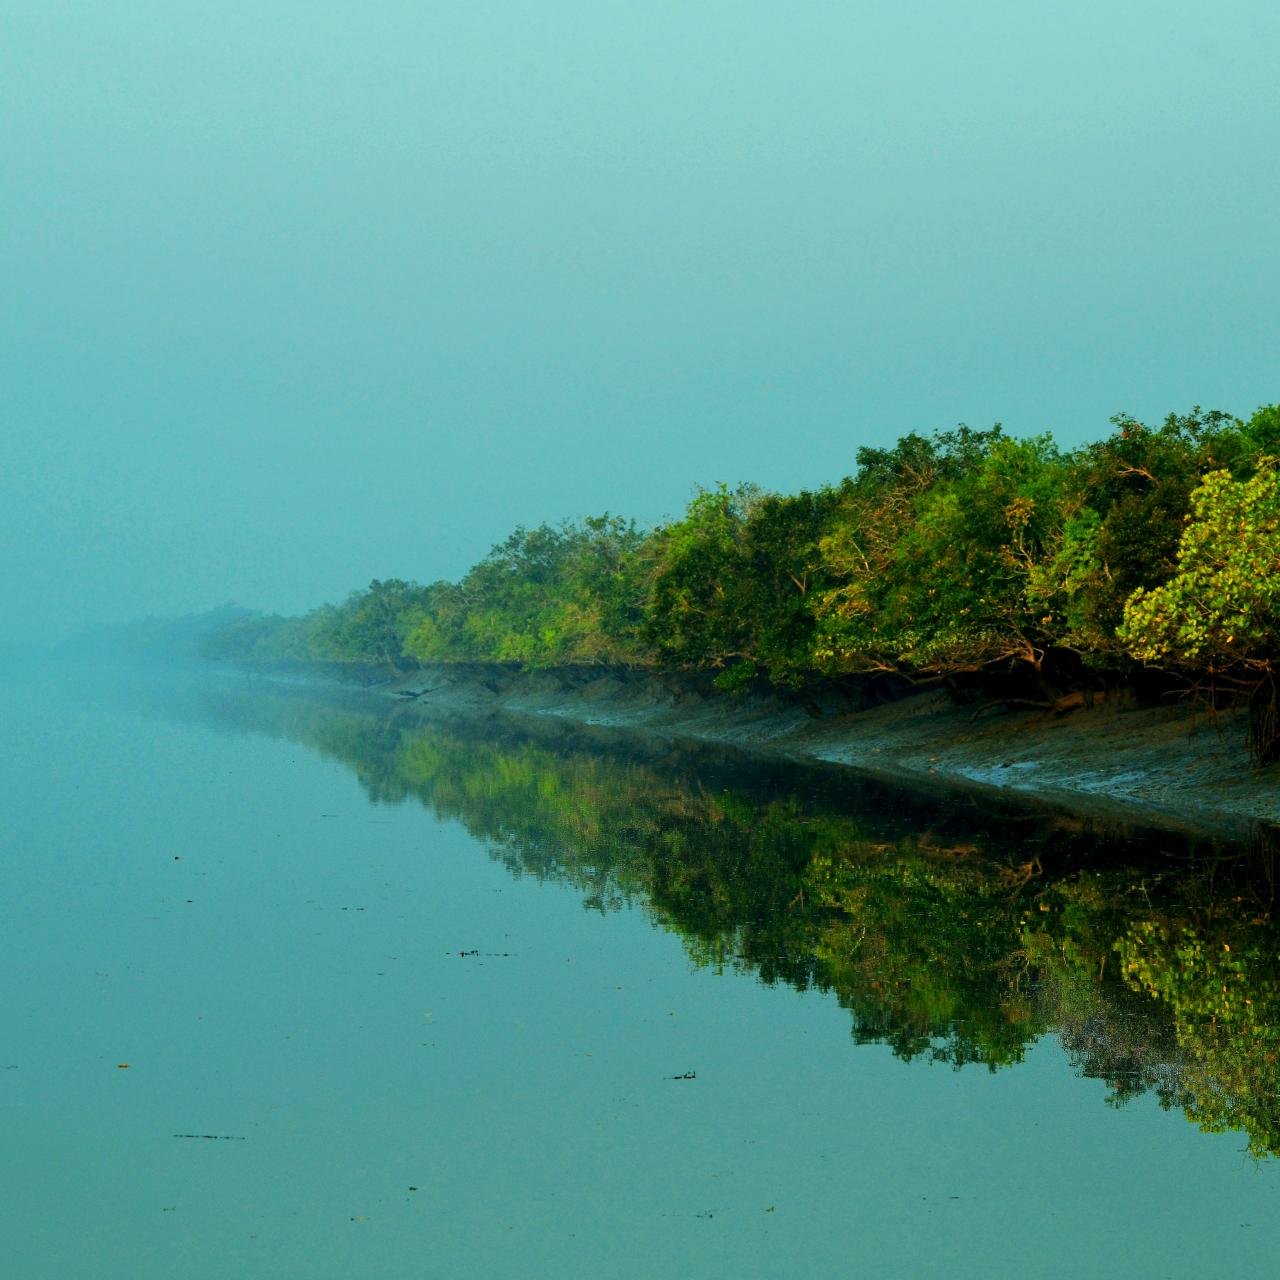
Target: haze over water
{"points": [[300, 295], [299, 986]]}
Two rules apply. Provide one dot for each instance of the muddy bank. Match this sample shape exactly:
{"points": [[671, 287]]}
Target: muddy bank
{"points": [[1177, 764]]}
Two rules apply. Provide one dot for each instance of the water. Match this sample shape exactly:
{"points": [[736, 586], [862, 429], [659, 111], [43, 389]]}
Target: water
{"points": [[519, 1000]]}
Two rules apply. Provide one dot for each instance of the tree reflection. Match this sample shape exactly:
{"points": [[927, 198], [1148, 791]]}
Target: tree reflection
{"points": [[950, 930]]}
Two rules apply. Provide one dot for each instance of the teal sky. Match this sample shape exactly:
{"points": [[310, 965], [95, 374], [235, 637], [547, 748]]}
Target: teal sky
{"points": [[296, 295]]}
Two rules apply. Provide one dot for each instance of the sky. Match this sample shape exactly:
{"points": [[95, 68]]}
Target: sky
{"points": [[296, 295]]}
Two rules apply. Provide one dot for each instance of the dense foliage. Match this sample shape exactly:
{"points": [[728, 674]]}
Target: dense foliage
{"points": [[964, 553]]}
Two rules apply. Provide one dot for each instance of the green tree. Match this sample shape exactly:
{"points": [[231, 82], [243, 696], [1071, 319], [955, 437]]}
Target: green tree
{"points": [[694, 609], [1134, 491], [1220, 612], [933, 554], [374, 623]]}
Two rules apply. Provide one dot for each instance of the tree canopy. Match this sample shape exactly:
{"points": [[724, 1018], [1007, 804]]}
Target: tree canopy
{"points": [[966, 552]]}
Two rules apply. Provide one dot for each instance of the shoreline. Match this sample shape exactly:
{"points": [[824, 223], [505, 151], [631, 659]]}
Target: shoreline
{"points": [[1175, 766]]}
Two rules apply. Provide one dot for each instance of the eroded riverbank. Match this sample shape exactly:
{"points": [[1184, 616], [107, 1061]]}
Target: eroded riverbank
{"points": [[1177, 765]]}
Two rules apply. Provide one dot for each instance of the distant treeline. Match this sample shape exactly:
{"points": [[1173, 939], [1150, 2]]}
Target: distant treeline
{"points": [[155, 640], [965, 553]]}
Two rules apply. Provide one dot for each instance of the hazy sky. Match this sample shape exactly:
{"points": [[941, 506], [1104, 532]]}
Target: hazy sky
{"points": [[299, 294]]}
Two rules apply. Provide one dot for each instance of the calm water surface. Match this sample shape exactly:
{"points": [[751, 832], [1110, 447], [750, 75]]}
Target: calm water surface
{"points": [[507, 1000]]}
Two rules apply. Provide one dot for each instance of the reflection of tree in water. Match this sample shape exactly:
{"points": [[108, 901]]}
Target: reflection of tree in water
{"points": [[946, 929]]}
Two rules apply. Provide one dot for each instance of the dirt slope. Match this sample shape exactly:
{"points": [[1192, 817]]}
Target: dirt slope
{"points": [[1174, 763]]}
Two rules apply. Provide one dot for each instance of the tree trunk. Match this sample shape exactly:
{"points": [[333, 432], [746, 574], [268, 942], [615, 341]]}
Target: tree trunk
{"points": [[1264, 721]]}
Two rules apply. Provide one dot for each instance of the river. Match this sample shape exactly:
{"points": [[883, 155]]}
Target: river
{"points": [[299, 985]]}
